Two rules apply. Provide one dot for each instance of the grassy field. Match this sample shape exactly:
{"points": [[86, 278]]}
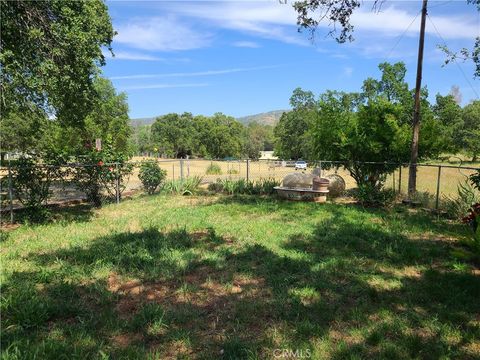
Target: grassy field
{"points": [[165, 277]]}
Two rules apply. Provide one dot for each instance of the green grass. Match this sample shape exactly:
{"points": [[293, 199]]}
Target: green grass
{"points": [[238, 278]]}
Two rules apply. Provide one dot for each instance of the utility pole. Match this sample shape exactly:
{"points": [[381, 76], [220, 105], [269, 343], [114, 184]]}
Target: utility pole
{"points": [[412, 176]]}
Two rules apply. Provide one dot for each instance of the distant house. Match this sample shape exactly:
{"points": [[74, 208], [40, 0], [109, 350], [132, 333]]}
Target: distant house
{"points": [[267, 155]]}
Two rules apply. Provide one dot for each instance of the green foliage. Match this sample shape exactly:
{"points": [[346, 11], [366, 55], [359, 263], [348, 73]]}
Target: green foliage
{"points": [[467, 196], [188, 186], [370, 195], [51, 51], [99, 172], [449, 114], [242, 186], [31, 183], [213, 169], [151, 175], [470, 133], [475, 180]]}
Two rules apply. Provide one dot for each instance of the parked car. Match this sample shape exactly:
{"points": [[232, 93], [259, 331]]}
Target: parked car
{"points": [[300, 165]]}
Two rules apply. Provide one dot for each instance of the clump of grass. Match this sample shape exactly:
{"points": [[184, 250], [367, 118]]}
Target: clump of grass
{"points": [[232, 171], [188, 186], [244, 187], [214, 169]]}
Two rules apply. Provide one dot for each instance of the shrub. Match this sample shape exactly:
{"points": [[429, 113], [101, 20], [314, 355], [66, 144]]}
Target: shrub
{"points": [[31, 186], [151, 175], [459, 206], [232, 172], [95, 172], [266, 186], [473, 220], [217, 186], [213, 169], [370, 195], [188, 186], [242, 186], [475, 180]]}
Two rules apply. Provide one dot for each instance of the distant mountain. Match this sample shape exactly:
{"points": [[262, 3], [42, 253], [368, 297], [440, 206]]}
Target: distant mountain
{"points": [[266, 118], [142, 121]]}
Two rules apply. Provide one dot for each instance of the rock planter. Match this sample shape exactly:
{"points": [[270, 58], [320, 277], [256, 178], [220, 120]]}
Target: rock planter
{"points": [[320, 184]]}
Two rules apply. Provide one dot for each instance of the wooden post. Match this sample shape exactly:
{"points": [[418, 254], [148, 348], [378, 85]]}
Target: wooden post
{"points": [[117, 183], [412, 176], [181, 169], [248, 169], [438, 186], [400, 179], [10, 193]]}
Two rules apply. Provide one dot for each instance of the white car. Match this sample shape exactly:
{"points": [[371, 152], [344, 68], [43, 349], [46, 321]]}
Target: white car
{"points": [[300, 165]]}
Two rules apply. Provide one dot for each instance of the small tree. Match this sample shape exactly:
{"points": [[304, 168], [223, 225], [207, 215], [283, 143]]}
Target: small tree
{"points": [[31, 185], [151, 175]]}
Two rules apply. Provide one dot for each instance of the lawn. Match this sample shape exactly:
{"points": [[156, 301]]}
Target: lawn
{"points": [[238, 277]]}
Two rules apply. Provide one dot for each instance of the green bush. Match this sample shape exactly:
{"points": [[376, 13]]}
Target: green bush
{"points": [[232, 172], [101, 170], [213, 169], [188, 186], [475, 180], [151, 175], [31, 186], [373, 196], [459, 206]]}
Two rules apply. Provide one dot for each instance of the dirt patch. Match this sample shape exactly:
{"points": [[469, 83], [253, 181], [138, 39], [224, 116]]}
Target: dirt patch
{"points": [[123, 341]]}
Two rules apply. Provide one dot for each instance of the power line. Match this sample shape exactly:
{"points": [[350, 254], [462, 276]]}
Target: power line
{"points": [[402, 35], [454, 59]]}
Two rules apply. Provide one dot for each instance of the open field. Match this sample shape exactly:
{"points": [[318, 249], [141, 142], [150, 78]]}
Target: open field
{"points": [[163, 277]]}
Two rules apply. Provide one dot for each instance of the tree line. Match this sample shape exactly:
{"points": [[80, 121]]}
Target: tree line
{"points": [[375, 123], [215, 137]]}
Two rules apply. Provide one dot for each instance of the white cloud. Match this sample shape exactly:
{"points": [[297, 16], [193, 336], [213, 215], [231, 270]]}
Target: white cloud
{"points": [[192, 74], [347, 71], [246, 44], [166, 33], [162, 86], [392, 21]]}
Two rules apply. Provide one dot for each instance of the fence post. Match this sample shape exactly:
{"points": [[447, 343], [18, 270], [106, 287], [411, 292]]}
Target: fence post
{"points": [[320, 167], [438, 186], [188, 167], [173, 171], [248, 169], [400, 179], [10, 194], [117, 183], [181, 169]]}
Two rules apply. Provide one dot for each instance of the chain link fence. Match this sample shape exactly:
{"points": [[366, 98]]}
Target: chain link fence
{"points": [[72, 183]]}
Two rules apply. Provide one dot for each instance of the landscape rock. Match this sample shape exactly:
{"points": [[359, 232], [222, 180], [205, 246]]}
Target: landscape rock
{"points": [[298, 181], [336, 186]]}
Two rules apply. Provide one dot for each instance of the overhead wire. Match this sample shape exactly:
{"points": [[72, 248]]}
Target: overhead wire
{"points": [[454, 60]]}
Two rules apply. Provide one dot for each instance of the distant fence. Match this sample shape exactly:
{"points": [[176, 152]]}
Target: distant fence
{"points": [[435, 183]]}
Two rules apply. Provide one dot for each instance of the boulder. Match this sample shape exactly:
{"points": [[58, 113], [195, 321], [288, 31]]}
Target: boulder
{"points": [[336, 186], [298, 181]]}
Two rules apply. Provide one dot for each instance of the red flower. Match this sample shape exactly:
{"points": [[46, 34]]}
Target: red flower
{"points": [[100, 163], [110, 168]]}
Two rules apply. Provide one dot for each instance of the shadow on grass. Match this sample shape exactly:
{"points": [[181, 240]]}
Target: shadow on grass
{"points": [[350, 289]]}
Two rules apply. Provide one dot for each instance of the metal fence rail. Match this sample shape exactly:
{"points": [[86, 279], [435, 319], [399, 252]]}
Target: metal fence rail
{"points": [[435, 182]]}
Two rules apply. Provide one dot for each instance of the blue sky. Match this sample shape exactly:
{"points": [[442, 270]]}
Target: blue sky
{"points": [[246, 57]]}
